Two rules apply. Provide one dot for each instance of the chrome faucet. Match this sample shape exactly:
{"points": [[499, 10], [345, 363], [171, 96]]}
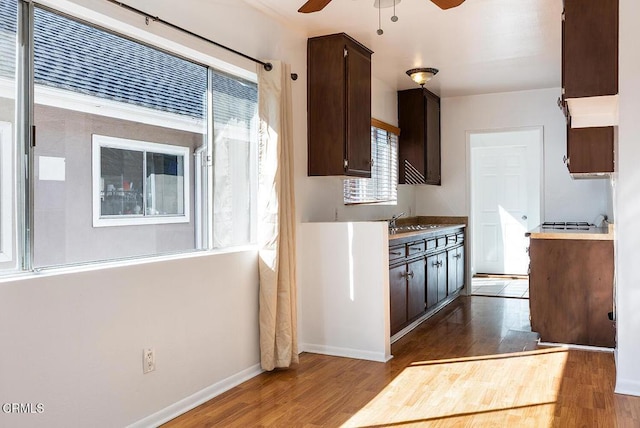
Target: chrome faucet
{"points": [[392, 222]]}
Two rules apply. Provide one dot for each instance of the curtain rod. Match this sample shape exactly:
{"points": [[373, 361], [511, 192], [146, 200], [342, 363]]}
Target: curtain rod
{"points": [[267, 65]]}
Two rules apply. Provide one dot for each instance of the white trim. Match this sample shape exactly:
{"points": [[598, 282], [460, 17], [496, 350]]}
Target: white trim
{"points": [[69, 100], [576, 347], [346, 352], [6, 193], [627, 387], [100, 141], [178, 408]]}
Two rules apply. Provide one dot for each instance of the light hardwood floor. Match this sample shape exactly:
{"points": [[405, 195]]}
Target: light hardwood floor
{"points": [[474, 364]]}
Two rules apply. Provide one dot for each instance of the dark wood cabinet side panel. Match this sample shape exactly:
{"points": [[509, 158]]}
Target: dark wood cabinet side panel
{"points": [[590, 149], [358, 101], [326, 106], [397, 298], [570, 291], [432, 150], [411, 117], [590, 48]]}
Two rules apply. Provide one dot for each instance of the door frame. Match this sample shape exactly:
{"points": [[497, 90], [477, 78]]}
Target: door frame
{"points": [[470, 231]]}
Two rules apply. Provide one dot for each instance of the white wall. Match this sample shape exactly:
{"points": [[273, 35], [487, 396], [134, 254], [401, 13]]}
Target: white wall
{"points": [[627, 204], [564, 199], [345, 294], [74, 341]]}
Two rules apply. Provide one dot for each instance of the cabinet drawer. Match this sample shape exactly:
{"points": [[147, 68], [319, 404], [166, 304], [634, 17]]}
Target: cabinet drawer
{"points": [[396, 253], [441, 241], [451, 239], [431, 244], [415, 248], [460, 238]]}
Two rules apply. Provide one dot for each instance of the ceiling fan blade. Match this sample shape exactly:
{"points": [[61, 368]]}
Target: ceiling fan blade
{"points": [[447, 4], [314, 6]]}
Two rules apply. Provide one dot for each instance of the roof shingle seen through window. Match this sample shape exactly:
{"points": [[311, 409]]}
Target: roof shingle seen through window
{"points": [[73, 56]]}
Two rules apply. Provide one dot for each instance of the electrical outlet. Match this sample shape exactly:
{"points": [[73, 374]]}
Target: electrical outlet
{"points": [[148, 360]]}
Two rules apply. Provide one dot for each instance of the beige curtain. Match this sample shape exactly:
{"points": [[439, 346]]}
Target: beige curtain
{"points": [[276, 220]]}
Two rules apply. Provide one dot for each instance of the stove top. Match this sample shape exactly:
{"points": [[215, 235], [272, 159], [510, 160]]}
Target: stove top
{"points": [[566, 225]]}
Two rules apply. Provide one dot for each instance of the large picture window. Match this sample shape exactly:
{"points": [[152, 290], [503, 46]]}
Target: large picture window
{"points": [[138, 182], [125, 134]]}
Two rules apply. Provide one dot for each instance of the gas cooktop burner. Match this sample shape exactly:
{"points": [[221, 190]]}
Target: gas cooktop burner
{"points": [[566, 225]]}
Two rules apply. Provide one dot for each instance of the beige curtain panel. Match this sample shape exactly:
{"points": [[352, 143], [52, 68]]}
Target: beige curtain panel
{"points": [[276, 220]]}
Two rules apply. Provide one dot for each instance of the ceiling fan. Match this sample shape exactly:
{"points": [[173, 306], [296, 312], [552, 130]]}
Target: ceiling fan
{"points": [[317, 5]]}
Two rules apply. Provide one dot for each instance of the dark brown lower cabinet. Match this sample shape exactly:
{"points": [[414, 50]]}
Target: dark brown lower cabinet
{"points": [[571, 291], [419, 276]]}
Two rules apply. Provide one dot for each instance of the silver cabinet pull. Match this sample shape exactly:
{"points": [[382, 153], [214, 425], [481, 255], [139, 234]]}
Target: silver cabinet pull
{"points": [[395, 253]]}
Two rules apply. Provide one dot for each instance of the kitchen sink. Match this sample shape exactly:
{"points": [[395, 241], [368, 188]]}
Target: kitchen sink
{"points": [[413, 228]]}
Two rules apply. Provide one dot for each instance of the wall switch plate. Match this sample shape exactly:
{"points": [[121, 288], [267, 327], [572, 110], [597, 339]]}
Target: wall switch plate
{"points": [[148, 360]]}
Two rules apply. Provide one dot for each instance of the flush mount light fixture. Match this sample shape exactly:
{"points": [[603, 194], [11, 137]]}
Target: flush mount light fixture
{"points": [[422, 75]]}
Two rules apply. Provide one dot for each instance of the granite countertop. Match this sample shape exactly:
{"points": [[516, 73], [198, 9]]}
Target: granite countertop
{"points": [[594, 233]]}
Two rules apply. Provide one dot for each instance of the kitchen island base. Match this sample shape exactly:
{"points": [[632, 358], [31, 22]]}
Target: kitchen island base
{"points": [[571, 291]]}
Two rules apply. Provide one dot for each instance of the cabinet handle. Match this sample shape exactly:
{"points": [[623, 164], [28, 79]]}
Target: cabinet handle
{"points": [[416, 248], [406, 274], [435, 264], [395, 253], [410, 274], [440, 263]]}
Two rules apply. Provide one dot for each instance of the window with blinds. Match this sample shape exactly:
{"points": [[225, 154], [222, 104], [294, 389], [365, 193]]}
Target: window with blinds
{"points": [[383, 184]]}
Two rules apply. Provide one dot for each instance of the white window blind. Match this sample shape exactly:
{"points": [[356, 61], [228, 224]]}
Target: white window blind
{"points": [[383, 184]]}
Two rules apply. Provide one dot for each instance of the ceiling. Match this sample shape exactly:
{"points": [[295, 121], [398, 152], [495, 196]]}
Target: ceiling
{"points": [[482, 46]]}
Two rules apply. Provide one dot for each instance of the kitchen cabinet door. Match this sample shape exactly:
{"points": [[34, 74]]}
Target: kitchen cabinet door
{"points": [[338, 106], [442, 276], [416, 301], [590, 150], [590, 48], [455, 270], [419, 140], [398, 297], [433, 276], [460, 266]]}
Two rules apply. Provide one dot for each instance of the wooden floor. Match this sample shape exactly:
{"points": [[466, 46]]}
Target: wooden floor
{"points": [[475, 364]]}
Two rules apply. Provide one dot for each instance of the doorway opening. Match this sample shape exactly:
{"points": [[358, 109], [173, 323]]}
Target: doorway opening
{"points": [[506, 202]]}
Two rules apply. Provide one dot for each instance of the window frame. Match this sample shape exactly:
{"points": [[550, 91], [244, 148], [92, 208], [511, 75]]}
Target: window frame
{"points": [[7, 206], [100, 141], [391, 131]]}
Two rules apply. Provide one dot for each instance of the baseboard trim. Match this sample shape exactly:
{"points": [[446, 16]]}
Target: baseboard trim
{"points": [[627, 387], [346, 352], [577, 347], [194, 400]]}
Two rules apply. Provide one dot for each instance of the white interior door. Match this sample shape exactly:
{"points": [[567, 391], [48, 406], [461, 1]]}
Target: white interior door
{"points": [[505, 194]]}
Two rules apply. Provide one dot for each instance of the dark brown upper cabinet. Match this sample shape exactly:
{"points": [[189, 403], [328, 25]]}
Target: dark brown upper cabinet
{"points": [[338, 106], [419, 142], [590, 48], [590, 151]]}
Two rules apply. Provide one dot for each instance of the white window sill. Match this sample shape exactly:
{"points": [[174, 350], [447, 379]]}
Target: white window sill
{"points": [[101, 265]]}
